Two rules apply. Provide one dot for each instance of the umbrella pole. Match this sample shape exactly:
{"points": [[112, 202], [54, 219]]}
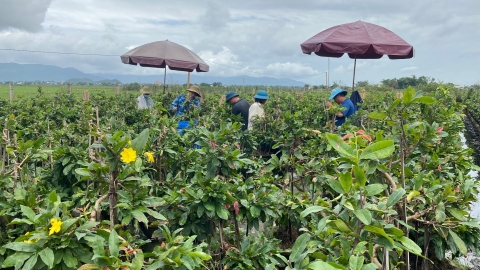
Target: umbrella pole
{"points": [[164, 78], [354, 67]]}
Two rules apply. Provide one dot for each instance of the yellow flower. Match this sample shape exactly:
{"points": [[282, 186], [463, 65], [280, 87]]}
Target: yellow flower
{"points": [[149, 156], [128, 155], [30, 241], [56, 226]]}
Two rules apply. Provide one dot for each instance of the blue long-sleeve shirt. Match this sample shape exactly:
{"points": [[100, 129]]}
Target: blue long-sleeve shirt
{"points": [[182, 105], [349, 110]]}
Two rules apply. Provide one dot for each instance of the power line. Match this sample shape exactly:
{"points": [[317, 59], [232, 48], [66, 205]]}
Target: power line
{"points": [[71, 53], [109, 55]]}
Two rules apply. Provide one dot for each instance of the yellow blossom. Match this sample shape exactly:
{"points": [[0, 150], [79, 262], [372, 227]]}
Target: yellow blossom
{"points": [[29, 241], [149, 156], [56, 226], [128, 155]]}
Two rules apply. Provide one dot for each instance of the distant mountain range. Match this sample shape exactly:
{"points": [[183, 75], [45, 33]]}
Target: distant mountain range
{"points": [[37, 72]]}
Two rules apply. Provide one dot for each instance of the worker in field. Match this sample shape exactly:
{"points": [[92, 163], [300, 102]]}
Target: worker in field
{"points": [[145, 101], [340, 97], [256, 110], [183, 103], [239, 107]]}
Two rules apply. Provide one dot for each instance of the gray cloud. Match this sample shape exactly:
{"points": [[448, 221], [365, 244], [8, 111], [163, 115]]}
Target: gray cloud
{"points": [[252, 35], [23, 14], [216, 17]]}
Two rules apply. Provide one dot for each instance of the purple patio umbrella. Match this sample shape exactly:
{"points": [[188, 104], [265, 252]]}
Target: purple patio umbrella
{"points": [[161, 54], [361, 40]]}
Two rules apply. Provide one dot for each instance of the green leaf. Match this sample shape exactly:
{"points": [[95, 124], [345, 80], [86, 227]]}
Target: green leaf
{"points": [[30, 263], [47, 257], [395, 197], [12, 260], [374, 189], [370, 266], [199, 254], [156, 215], [377, 115], [223, 213], [394, 232], [209, 206], [412, 194], [87, 225], [21, 246], [457, 213], [360, 248], [138, 163], [52, 197], [69, 260], [83, 172], [408, 95], [335, 185], [346, 181], [299, 246], [113, 243], [378, 150], [359, 175], [355, 262], [183, 219], [458, 242], [140, 216], [425, 100], [28, 212], [339, 145], [89, 266], [340, 225], [67, 224], [377, 231], [320, 265], [394, 104], [440, 212], [410, 245], [364, 216], [137, 262], [473, 224], [311, 209], [139, 143]]}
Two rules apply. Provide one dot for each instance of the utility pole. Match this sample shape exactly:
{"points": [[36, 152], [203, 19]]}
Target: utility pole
{"points": [[11, 92], [328, 76], [243, 84], [326, 79]]}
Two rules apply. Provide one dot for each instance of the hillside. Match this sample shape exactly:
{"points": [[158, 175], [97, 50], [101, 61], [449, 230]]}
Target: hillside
{"points": [[37, 72]]}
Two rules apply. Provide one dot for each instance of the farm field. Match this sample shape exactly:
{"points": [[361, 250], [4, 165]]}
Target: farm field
{"points": [[29, 91], [98, 184]]}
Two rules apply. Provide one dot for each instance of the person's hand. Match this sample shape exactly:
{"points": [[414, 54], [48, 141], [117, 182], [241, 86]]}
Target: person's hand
{"points": [[174, 109], [328, 104]]}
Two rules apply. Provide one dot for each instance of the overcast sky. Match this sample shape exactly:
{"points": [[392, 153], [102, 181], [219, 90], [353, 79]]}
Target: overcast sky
{"points": [[253, 36]]}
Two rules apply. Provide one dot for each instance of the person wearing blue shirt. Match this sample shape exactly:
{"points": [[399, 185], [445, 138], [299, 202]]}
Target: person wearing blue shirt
{"points": [[182, 103], [339, 96]]}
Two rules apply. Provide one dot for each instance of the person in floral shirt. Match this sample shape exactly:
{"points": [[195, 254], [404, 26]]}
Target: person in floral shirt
{"points": [[183, 103]]}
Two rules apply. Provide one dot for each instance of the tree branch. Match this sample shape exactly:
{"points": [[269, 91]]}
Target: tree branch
{"points": [[374, 257], [392, 182], [418, 215], [96, 210]]}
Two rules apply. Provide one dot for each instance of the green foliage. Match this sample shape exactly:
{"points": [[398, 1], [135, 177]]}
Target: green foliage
{"points": [[306, 197]]}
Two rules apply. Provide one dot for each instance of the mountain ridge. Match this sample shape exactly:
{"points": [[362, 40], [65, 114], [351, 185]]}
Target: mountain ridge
{"points": [[14, 72]]}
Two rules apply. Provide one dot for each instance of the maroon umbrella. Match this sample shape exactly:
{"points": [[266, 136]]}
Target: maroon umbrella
{"points": [[161, 54], [360, 40]]}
